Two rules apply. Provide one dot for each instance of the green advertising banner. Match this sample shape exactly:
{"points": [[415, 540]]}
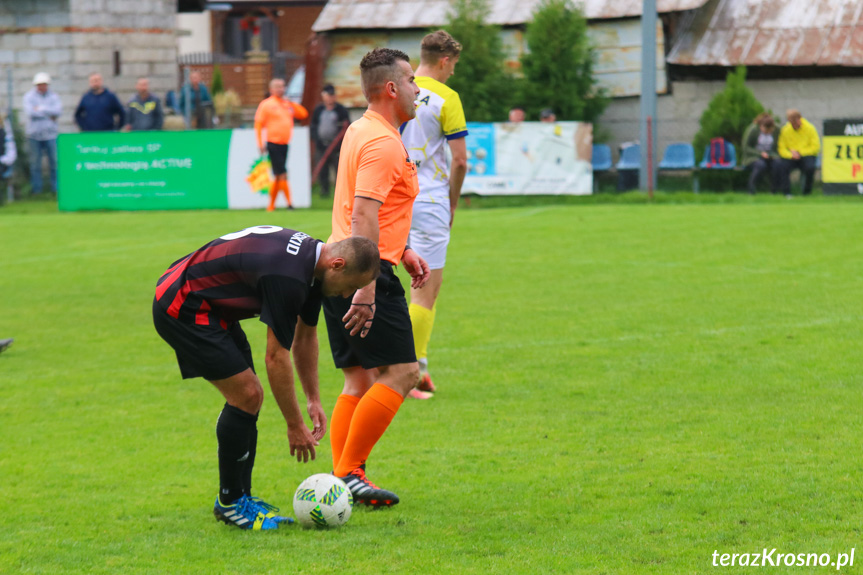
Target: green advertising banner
{"points": [[143, 170]]}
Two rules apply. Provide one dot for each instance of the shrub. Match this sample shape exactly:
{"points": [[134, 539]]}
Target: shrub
{"points": [[728, 114], [217, 86], [558, 65]]}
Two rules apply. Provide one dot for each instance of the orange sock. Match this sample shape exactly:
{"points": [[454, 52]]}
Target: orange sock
{"points": [[274, 191], [371, 418], [340, 423], [287, 189]]}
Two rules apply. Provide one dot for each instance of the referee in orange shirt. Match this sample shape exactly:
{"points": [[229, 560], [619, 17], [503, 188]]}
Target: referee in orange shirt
{"points": [[370, 334], [276, 115]]}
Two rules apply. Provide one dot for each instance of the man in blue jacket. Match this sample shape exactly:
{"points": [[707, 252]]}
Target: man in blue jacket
{"points": [[99, 109]]}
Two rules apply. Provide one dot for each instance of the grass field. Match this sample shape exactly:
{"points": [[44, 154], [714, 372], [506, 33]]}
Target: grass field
{"points": [[624, 389]]}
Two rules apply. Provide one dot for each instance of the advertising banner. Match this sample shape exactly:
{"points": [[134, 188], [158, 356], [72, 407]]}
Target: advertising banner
{"points": [[529, 158], [842, 156], [201, 169]]}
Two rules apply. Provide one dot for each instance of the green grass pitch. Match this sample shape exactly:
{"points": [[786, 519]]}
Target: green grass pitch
{"points": [[623, 389]]}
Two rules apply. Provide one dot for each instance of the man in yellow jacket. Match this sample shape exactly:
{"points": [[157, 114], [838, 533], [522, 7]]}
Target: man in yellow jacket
{"points": [[798, 147]]}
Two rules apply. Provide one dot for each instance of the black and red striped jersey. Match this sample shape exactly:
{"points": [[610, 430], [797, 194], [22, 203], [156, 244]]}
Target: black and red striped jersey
{"points": [[264, 270]]}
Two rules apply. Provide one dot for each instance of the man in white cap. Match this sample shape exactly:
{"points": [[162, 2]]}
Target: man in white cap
{"points": [[42, 107]]}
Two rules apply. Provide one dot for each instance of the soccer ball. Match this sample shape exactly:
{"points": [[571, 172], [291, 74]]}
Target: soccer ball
{"points": [[323, 500]]}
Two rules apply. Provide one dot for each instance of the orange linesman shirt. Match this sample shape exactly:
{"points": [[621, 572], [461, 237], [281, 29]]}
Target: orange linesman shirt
{"points": [[375, 164], [277, 115]]}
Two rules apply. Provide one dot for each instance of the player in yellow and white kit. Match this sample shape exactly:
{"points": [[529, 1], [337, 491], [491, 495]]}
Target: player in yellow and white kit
{"points": [[439, 120]]}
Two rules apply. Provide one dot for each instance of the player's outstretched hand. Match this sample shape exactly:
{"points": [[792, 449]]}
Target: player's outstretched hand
{"points": [[416, 267], [360, 315], [302, 443], [319, 420]]}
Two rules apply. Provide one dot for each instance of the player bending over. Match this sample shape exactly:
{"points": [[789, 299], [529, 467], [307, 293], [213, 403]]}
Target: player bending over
{"points": [[279, 275]]}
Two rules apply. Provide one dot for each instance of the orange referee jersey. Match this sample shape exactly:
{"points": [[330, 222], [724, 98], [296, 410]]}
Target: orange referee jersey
{"points": [[276, 116], [375, 164]]}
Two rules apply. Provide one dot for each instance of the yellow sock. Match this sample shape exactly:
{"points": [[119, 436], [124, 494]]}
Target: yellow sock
{"points": [[422, 320]]}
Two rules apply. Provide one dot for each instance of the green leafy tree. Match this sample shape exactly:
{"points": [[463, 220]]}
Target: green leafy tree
{"points": [[728, 113], [558, 65], [217, 86], [481, 79]]}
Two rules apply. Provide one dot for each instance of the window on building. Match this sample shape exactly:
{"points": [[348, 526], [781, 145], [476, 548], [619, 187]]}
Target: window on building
{"points": [[237, 40]]}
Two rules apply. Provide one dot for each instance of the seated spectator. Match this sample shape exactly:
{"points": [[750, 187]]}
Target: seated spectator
{"points": [[749, 155], [760, 152], [145, 111], [798, 147]]}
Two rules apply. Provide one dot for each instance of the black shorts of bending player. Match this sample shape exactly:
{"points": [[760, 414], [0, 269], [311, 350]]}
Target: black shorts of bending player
{"points": [[209, 351], [278, 158], [390, 340]]}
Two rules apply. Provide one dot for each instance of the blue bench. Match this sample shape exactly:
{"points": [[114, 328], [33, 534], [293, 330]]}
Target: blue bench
{"points": [[601, 160], [730, 163], [628, 167], [678, 156]]}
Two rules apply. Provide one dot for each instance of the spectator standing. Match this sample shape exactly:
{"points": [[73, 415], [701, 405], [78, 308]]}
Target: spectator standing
{"points": [[99, 110], [145, 110], [516, 115], [798, 146], [8, 150], [329, 122], [200, 100], [548, 116], [42, 107], [761, 153], [276, 115]]}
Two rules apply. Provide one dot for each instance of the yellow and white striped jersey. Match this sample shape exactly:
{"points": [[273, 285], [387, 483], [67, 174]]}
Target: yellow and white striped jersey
{"points": [[440, 118]]}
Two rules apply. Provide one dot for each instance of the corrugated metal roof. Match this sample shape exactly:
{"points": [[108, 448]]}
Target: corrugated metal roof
{"points": [[772, 33], [389, 14]]}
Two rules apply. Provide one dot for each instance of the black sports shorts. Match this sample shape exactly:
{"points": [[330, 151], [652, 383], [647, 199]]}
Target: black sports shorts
{"points": [[278, 158], [390, 341], [208, 351]]}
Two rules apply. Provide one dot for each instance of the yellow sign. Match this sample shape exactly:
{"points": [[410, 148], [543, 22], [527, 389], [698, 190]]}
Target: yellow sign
{"points": [[842, 160]]}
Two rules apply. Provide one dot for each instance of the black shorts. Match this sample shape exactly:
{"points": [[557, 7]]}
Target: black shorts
{"points": [[208, 351], [278, 158], [390, 341]]}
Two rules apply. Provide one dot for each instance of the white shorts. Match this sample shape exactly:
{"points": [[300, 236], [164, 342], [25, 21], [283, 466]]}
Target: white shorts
{"points": [[429, 235]]}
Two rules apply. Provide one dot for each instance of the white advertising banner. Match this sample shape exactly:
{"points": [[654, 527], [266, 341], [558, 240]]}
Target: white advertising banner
{"points": [[529, 158], [244, 152]]}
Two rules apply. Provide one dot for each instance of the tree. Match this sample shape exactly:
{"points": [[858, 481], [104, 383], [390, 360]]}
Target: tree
{"points": [[728, 113], [558, 65], [480, 78]]}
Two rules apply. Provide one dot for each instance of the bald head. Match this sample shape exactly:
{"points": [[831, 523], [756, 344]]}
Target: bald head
{"points": [[277, 87], [793, 116]]}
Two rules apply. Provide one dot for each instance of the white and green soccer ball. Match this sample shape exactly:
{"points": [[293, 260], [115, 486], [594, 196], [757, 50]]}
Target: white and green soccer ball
{"points": [[323, 500]]}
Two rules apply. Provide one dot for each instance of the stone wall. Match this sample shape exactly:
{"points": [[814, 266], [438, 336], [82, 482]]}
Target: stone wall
{"points": [[678, 113], [69, 39]]}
